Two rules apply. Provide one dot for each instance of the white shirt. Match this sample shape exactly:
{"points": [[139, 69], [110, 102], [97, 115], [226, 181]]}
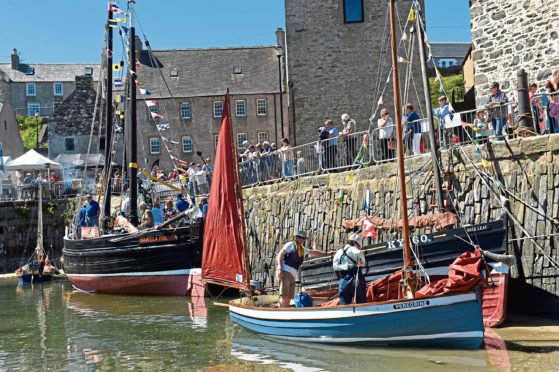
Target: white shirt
{"points": [[386, 128], [288, 248], [343, 262]]}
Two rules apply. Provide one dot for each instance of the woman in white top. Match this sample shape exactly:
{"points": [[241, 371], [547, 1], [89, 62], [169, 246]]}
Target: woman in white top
{"points": [[386, 135]]}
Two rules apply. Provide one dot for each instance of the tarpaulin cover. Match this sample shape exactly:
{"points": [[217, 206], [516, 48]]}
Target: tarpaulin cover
{"points": [[438, 220], [463, 274], [223, 257]]}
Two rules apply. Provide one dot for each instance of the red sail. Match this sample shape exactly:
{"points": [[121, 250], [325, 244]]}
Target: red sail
{"points": [[223, 257]]}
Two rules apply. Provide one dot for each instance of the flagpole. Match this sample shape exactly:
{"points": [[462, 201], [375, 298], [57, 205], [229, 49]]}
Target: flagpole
{"points": [[133, 165], [109, 116]]}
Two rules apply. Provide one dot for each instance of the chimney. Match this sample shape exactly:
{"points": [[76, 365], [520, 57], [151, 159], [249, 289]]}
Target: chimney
{"points": [[138, 44], [280, 37], [15, 60], [84, 82]]}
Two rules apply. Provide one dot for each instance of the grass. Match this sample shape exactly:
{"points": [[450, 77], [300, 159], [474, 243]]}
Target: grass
{"points": [[449, 83], [28, 131]]}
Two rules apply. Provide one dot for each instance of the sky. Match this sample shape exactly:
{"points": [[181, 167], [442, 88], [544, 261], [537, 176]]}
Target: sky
{"points": [[54, 31]]}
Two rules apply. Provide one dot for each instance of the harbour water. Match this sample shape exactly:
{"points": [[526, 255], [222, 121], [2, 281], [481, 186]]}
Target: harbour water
{"points": [[52, 327]]}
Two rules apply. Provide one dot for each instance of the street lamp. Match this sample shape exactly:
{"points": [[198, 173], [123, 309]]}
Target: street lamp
{"points": [[279, 53], [37, 122]]}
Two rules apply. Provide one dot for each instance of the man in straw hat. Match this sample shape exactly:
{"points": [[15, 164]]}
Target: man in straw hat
{"points": [[290, 258], [347, 265]]}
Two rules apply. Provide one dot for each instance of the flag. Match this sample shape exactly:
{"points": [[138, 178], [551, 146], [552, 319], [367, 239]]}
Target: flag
{"points": [[119, 98], [116, 67], [145, 92], [137, 62], [349, 178], [359, 159], [178, 160], [168, 140], [123, 20], [124, 30], [466, 125], [155, 115], [109, 53], [137, 83], [118, 129], [380, 102], [340, 197], [368, 229], [367, 201], [112, 22], [411, 17], [430, 55], [484, 163], [162, 126], [151, 103], [118, 83], [441, 89], [405, 37], [113, 7], [403, 60], [366, 140], [167, 148]]}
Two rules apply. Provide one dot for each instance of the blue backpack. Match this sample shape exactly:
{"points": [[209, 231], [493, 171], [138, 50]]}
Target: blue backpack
{"points": [[303, 299]]}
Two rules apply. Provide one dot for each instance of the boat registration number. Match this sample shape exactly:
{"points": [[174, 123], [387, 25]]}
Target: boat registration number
{"points": [[399, 243], [412, 304], [158, 238]]}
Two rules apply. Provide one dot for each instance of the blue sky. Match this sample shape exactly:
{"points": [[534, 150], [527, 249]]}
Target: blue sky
{"points": [[54, 31]]}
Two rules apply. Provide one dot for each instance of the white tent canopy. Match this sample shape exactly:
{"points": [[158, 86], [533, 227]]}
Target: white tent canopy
{"points": [[32, 160]]}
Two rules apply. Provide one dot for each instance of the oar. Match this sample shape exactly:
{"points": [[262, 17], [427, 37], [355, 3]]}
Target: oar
{"points": [[356, 283]]}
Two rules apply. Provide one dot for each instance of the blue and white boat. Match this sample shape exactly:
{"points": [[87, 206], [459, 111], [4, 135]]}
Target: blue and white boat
{"points": [[448, 320]]}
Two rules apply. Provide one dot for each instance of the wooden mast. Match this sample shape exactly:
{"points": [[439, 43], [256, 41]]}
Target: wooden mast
{"points": [[239, 194], [398, 116]]}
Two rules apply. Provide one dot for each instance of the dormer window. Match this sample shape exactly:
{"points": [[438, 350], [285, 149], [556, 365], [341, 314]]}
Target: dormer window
{"points": [[237, 70], [174, 72], [88, 71], [29, 71]]}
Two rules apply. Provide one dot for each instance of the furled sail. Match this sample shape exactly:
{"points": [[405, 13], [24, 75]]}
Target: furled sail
{"points": [[223, 257]]}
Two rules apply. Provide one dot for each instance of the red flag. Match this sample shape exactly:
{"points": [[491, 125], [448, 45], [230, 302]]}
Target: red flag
{"points": [[368, 229], [155, 115], [223, 255]]}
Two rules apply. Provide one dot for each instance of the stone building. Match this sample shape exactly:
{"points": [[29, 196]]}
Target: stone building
{"points": [[12, 145], [191, 98], [513, 35], [339, 58], [41, 86], [69, 126]]}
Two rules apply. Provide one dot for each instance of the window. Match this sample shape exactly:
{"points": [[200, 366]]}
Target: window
{"points": [[241, 107], [58, 89], [29, 71], [218, 109], [88, 71], [262, 136], [102, 141], [237, 70], [32, 107], [30, 89], [186, 144], [261, 107], [69, 144], [154, 146], [216, 138], [443, 64], [185, 110], [353, 11], [174, 72], [241, 137]]}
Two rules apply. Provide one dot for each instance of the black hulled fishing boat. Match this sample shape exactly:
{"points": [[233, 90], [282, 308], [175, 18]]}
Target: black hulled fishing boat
{"points": [[163, 260]]}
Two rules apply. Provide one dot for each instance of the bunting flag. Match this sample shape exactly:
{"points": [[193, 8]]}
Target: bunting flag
{"points": [[167, 148], [137, 62], [118, 83], [403, 60], [366, 140], [441, 89], [113, 7], [388, 80], [340, 197], [367, 201], [161, 126], [181, 162], [109, 53], [137, 83], [405, 37], [411, 17], [438, 77], [359, 158], [119, 98], [349, 178], [155, 115], [170, 141], [380, 102], [112, 23], [430, 53], [368, 229], [151, 103], [123, 20], [118, 129], [484, 163], [124, 30], [145, 92], [116, 67], [466, 125]]}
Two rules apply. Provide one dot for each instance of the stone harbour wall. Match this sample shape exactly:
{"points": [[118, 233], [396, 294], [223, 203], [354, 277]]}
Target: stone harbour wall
{"points": [[511, 35], [18, 230], [528, 167]]}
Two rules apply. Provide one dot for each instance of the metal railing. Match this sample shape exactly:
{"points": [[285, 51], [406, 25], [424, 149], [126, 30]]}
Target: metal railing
{"points": [[55, 190], [545, 112]]}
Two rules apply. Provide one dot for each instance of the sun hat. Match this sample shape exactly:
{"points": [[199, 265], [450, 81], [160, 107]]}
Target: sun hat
{"points": [[301, 234], [356, 239], [345, 117]]}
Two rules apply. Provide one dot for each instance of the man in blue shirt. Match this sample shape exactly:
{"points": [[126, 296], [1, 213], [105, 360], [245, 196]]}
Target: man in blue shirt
{"points": [[92, 211], [331, 144], [82, 219], [499, 112], [181, 205], [413, 122]]}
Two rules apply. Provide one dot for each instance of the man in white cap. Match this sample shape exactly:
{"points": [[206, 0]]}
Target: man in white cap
{"points": [[290, 258], [351, 141], [347, 265]]}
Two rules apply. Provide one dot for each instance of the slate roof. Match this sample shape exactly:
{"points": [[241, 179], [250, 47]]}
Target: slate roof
{"points": [[50, 72], [450, 50], [209, 72]]}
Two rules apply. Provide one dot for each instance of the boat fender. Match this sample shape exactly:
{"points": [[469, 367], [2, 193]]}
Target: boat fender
{"points": [[303, 299], [507, 259]]}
